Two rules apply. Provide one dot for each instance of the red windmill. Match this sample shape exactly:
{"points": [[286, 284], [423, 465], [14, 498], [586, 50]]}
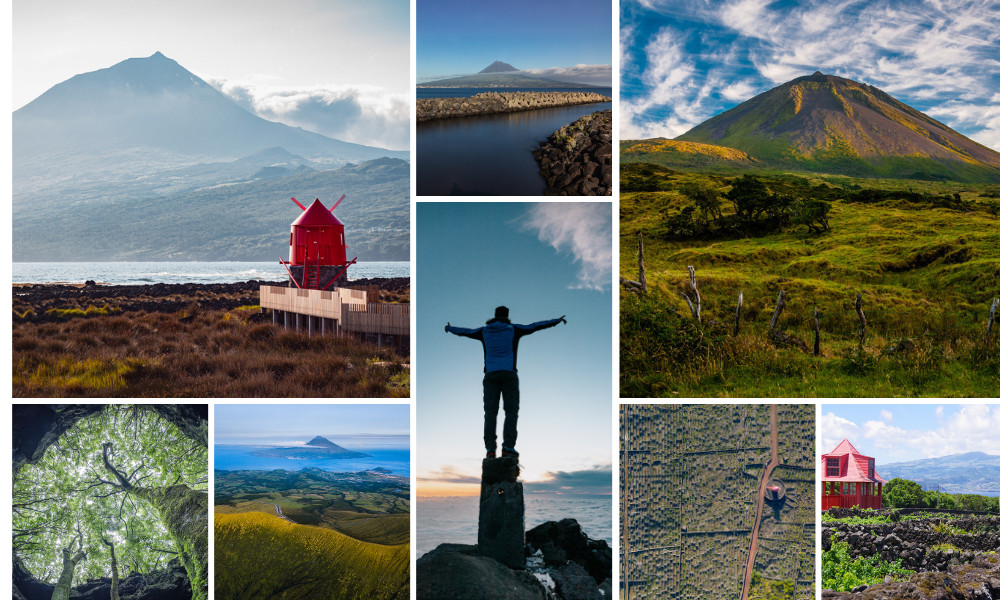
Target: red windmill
{"points": [[316, 248]]}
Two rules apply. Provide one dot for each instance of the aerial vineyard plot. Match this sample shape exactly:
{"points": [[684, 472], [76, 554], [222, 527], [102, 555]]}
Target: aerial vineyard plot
{"points": [[711, 494]]}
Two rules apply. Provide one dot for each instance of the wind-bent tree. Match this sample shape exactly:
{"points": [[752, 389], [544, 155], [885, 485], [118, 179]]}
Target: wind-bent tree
{"points": [[69, 496], [69, 560]]}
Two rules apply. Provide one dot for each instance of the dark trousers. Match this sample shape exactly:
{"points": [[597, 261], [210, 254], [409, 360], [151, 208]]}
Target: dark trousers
{"points": [[495, 384]]}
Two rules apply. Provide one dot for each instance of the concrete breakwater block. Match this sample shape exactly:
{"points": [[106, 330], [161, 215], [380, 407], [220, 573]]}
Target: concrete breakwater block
{"points": [[501, 513]]}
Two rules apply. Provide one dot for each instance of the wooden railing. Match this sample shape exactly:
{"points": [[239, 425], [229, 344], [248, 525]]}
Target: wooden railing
{"points": [[348, 306]]}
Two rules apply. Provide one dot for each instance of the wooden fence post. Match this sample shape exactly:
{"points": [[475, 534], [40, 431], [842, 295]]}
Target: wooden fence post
{"points": [[638, 287], [739, 309], [864, 322], [816, 326], [695, 306], [993, 312], [777, 311]]}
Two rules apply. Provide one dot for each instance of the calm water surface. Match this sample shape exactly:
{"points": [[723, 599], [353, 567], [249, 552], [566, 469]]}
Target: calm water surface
{"points": [[235, 457], [456, 519], [491, 154]]}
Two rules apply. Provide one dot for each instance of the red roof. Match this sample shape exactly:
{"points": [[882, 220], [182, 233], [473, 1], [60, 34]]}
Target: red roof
{"points": [[316, 215], [855, 465]]}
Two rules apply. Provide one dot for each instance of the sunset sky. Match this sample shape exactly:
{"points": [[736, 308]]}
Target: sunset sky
{"points": [[683, 62], [542, 261]]}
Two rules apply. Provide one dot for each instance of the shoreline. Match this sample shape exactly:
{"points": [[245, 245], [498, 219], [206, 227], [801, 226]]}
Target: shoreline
{"points": [[32, 302], [576, 159], [491, 103]]}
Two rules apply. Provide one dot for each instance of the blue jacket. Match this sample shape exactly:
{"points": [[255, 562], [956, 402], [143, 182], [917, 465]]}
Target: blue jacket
{"points": [[499, 340]]}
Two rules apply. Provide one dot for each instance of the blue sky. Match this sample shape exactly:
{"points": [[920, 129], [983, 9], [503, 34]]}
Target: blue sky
{"points": [[350, 425], [552, 37], [684, 61], [542, 261], [902, 432]]}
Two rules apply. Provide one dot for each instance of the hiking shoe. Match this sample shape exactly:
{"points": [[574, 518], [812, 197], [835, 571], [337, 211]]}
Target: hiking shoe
{"points": [[491, 454], [509, 452]]}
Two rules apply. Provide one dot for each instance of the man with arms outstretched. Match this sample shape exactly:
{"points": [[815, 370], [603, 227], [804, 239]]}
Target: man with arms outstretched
{"points": [[500, 338]]}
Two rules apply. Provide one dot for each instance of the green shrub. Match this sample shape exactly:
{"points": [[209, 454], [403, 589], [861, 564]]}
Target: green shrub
{"points": [[841, 574]]}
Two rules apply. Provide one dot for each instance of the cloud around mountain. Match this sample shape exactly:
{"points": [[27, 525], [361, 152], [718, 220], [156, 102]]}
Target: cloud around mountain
{"points": [[682, 63], [359, 114]]}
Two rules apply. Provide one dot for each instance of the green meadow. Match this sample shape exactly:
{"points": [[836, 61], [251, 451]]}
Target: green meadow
{"points": [[924, 255]]}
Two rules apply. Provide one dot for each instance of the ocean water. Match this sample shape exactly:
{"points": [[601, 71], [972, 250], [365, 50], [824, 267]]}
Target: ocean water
{"points": [[240, 457], [469, 92], [489, 155], [138, 273], [455, 519]]}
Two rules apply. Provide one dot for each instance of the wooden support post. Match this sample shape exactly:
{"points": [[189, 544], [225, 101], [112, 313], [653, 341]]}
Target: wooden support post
{"points": [[274, 316], [863, 322], [777, 311], [989, 325], [816, 328], [739, 309]]}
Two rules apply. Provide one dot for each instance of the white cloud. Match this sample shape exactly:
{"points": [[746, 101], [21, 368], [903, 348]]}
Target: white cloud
{"points": [[582, 229], [589, 74], [886, 415], [939, 411], [972, 429], [836, 429], [360, 114], [937, 53]]}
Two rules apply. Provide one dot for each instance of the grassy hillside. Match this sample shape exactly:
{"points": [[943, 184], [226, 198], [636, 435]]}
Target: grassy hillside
{"points": [[927, 276], [263, 556]]}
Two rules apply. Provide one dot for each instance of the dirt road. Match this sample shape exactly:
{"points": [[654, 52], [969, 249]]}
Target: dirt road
{"points": [[768, 469]]}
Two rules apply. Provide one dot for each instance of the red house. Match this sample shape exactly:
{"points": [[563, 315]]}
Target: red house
{"points": [[849, 479]]}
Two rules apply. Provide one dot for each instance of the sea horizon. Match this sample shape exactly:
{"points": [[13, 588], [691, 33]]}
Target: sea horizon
{"points": [[150, 272], [455, 519], [239, 457]]}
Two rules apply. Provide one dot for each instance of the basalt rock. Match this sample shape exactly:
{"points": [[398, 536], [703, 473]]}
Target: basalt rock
{"points": [[576, 159], [978, 580], [453, 571], [565, 541], [571, 560], [489, 103]]}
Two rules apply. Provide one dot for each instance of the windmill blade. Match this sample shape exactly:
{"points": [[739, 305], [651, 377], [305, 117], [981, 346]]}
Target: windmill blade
{"points": [[338, 202], [298, 203]]}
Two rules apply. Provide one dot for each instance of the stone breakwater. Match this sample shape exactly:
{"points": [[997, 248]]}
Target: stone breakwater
{"points": [[489, 103], [576, 159]]}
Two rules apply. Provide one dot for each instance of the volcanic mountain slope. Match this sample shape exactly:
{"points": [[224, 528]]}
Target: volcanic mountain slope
{"points": [[263, 556], [501, 75], [156, 104], [968, 473], [316, 448], [831, 124]]}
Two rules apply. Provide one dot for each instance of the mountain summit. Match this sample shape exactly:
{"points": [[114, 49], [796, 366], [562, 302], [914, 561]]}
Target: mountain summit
{"points": [[154, 103], [827, 123], [318, 448], [498, 67], [321, 441]]}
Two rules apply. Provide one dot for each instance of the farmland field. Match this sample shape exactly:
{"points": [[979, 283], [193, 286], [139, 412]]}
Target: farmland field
{"points": [[692, 496], [924, 257]]}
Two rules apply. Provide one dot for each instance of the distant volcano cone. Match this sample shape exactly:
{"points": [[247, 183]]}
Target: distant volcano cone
{"points": [[827, 123], [498, 67]]}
